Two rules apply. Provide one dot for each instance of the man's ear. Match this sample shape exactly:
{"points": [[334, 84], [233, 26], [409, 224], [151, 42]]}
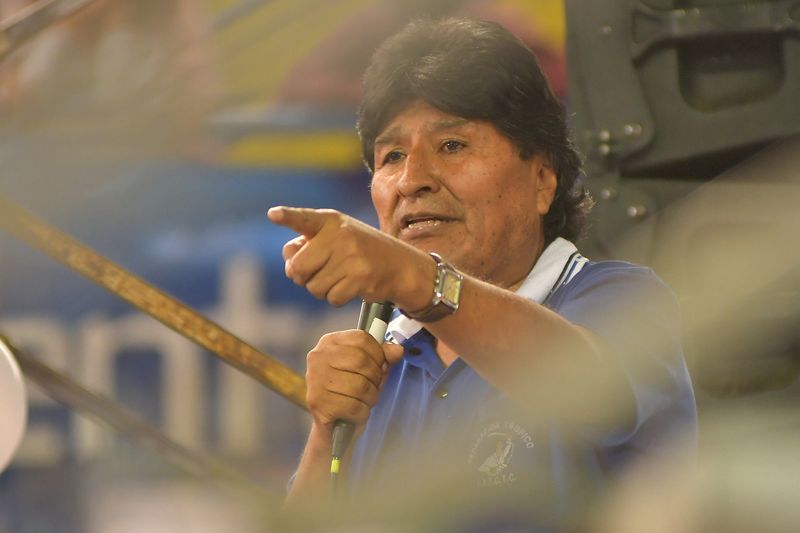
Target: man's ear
{"points": [[546, 183]]}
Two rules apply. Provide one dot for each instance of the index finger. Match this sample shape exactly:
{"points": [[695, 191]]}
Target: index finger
{"points": [[303, 220]]}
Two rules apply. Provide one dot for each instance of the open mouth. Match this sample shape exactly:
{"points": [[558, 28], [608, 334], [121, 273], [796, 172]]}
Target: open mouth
{"points": [[422, 222]]}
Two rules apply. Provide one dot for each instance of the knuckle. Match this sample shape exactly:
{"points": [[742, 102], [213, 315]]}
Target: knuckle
{"points": [[296, 276], [316, 294], [290, 247], [316, 350], [354, 411], [316, 357], [365, 387], [342, 220], [315, 288], [363, 340], [328, 338], [338, 298], [314, 383], [312, 373], [330, 218]]}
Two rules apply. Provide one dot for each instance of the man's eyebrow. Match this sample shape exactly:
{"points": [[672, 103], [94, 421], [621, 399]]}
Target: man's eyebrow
{"points": [[390, 136], [447, 124]]}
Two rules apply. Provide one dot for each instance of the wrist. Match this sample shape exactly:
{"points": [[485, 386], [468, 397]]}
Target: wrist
{"points": [[444, 292], [415, 294], [320, 439]]}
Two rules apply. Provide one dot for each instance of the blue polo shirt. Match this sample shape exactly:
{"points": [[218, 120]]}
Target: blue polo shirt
{"points": [[431, 419]]}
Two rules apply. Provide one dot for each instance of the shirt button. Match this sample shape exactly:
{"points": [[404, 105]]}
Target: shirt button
{"points": [[441, 393], [414, 351]]}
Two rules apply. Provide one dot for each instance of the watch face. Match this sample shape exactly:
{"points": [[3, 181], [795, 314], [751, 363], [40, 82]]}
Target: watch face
{"points": [[451, 289]]}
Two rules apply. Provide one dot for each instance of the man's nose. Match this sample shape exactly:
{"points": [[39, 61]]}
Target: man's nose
{"points": [[420, 175]]}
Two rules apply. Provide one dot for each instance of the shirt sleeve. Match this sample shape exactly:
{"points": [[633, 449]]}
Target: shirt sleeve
{"points": [[638, 319]]}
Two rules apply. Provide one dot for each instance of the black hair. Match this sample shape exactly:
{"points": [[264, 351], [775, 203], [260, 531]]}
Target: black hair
{"points": [[477, 69]]}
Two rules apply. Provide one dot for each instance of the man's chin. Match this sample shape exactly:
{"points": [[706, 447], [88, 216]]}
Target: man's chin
{"points": [[444, 245], [441, 247]]}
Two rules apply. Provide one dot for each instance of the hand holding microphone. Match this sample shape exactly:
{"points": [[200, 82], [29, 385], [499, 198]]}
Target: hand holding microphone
{"points": [[374, 319], [344, 375]]}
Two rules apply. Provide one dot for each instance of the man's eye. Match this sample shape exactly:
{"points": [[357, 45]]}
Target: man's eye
{"points": [[392, 157], [452, 146]]}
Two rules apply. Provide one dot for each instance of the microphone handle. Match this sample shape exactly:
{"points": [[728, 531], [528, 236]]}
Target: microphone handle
{"points": [[374, 319]]}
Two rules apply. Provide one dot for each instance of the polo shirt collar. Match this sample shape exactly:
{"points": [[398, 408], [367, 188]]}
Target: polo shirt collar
{"points": [[536, 286]]}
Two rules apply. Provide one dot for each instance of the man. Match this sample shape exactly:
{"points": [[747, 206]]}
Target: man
{"points": [[575, 366]]}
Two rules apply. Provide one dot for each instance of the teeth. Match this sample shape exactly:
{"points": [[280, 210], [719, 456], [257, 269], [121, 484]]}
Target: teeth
{"points": [[424, 223]]}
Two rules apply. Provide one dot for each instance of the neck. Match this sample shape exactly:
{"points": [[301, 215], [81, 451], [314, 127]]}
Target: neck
{"points": [[445, 353], [513, 286]]}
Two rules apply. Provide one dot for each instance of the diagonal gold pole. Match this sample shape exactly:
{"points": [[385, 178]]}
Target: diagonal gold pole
{"points": [[34, 18], [164, 308], [117, 417]]}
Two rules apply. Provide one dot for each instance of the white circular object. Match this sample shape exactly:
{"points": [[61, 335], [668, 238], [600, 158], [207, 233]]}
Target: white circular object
{"points": [[13, 406]]}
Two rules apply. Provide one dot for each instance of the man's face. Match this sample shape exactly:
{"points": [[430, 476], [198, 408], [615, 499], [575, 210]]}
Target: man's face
{"points": [[458, 187]]}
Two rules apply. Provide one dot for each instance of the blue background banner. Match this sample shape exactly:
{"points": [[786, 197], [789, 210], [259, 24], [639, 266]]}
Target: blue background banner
{"points": [[200, 234]]}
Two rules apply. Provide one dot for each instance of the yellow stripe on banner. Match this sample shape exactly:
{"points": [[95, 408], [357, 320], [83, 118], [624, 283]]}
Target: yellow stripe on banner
{"points": [[338, 150], [547, 15], [260, 50]]}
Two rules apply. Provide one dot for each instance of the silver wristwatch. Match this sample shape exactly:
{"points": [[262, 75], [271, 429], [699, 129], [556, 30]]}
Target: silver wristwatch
{"points": [[446, 292]]}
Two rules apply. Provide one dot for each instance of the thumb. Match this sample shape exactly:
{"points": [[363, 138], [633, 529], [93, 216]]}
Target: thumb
{"points": [[392, 352]]}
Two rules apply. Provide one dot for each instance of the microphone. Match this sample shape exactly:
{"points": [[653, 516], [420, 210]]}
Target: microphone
{"points": [[374, 319]]}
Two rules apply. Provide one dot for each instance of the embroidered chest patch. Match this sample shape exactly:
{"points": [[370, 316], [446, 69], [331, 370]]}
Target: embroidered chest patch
{"points": [[492, 455]]}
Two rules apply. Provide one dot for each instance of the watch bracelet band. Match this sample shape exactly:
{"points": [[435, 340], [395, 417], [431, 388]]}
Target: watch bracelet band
{"points": [[438, 308]]}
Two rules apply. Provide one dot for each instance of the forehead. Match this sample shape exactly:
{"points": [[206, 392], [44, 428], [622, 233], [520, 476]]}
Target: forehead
{"points": [[419, 116]]}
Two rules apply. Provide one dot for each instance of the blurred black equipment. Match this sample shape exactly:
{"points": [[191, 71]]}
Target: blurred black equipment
{"points": [[688, 115]]}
